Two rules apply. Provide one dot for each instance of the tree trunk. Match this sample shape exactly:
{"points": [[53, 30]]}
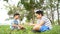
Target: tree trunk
{"points": [[47, 14], [33, 17], [58, 12], [52, 16]]}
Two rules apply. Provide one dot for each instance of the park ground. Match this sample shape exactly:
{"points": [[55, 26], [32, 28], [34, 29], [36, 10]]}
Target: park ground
{"points": [[5, 29]]}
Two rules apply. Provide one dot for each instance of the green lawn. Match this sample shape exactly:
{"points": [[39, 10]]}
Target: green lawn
{"points": [[6, 30]]}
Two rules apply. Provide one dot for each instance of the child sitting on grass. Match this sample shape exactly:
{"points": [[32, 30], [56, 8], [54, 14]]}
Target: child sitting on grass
{"points": [[15, 24], [43, 23]]}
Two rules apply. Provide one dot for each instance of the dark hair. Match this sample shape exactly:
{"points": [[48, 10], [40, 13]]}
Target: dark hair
{"points": [[39, 12], [16, 14]]}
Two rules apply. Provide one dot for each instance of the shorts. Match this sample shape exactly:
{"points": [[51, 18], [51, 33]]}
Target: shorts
{"points": [[44, 28], [13, 28]]}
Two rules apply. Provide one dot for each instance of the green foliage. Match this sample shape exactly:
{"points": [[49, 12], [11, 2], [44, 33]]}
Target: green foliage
{"points": [[31, 5], [10, 12], [29, 16], [6, 30], [13, 9], [6, 0], [28, 5]]}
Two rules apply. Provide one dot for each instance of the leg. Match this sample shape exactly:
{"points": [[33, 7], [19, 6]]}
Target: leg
{"points": [[21, 27], [36, 28]]}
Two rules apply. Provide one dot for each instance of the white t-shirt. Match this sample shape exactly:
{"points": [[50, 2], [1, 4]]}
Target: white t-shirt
{"points": [[46, 22]]}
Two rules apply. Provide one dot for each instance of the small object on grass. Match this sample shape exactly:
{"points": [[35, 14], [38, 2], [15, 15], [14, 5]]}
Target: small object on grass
{"points": [[35, 31], [23, 28]]}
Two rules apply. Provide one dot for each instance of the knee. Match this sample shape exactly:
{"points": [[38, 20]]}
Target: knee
{"points": [[34, 28]]}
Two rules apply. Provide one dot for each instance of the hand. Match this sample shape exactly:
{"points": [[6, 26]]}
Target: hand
{"points": [[30, 24], [36, 26]]}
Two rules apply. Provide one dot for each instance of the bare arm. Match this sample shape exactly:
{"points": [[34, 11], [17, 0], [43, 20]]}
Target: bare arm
{"points": [[14, 24], [33, 24], [41, 23]]}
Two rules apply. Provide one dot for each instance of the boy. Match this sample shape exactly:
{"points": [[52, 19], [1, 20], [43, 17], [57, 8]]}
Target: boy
{"points": [[43, 23], [15, 24]]}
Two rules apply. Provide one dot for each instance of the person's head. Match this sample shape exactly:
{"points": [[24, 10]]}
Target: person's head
{"points": [[39, 14], [16, 15]]}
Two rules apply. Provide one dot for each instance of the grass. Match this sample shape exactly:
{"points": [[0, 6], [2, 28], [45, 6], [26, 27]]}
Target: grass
{"points": [[6, 30]]}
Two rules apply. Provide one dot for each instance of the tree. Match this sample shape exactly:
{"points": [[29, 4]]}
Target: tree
{"points": [[58, 11], [31, 5], [51, 7], [13, 10]]}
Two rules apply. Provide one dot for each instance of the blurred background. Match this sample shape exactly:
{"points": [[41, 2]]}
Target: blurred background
{"points": [[27, 9]]}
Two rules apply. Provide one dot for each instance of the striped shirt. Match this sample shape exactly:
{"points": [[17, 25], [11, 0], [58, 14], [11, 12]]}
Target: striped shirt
{"points": [[46, 22]]}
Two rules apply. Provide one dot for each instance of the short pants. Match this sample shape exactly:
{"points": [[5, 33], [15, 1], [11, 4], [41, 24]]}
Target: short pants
{"points": [[13, 28], [44, 28]]}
